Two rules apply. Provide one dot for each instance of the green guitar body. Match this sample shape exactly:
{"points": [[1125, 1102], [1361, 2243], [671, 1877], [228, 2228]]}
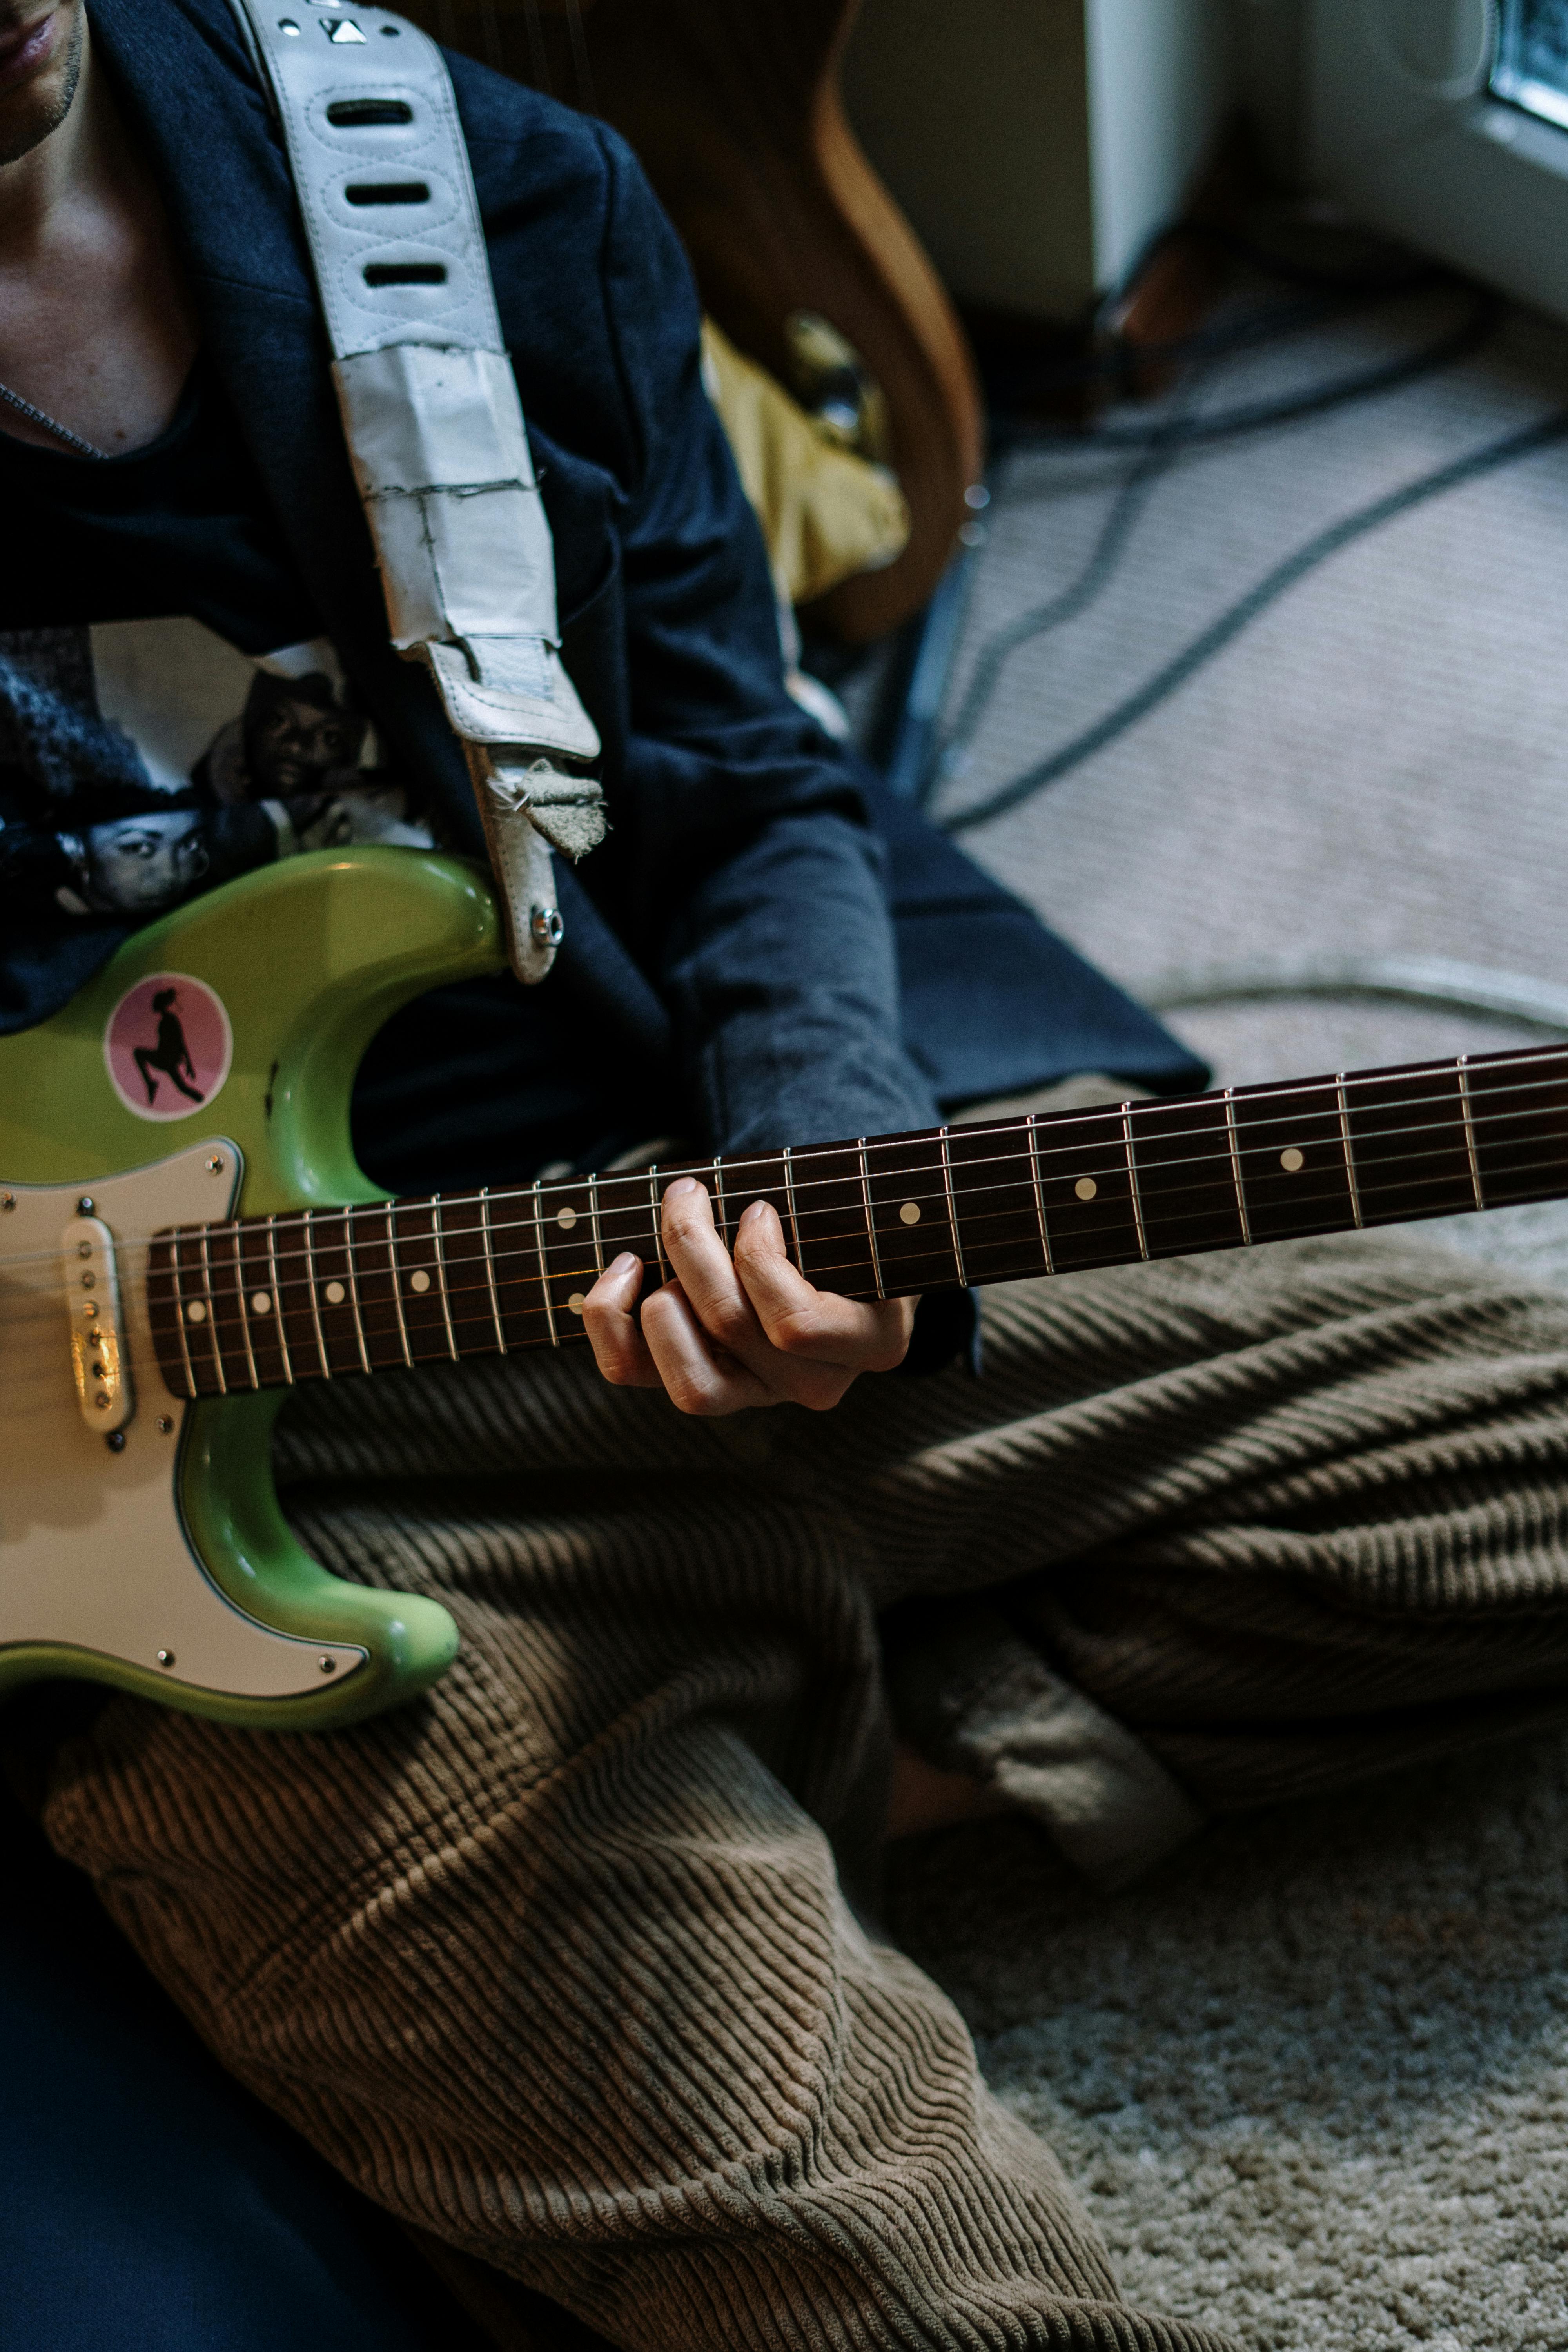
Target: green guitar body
{"points": [[307, 959]]}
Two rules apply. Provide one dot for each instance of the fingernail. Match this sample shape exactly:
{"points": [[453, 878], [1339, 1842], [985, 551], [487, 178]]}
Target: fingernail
{"points": [[683, 1184], [626, 1263], [758, 1209]]}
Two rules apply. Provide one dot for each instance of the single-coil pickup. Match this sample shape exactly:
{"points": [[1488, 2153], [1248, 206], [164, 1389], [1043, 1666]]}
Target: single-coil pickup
{"points": [[99, 1358]]}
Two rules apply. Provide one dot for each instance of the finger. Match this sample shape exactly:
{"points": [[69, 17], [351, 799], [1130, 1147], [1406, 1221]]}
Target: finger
{"points": [[610, 1319], [698, 1375], [798, 1320], [706, 1273], [711, 1291]]}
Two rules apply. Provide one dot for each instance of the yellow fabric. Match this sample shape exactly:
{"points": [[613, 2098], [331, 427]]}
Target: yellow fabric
{"points": [[825, 513]]}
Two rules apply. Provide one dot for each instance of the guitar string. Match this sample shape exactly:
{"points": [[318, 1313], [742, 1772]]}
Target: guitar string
{"points": [[482, 1318], [1243, 1098], [437, 1351], [1084, 1232], [1018, 1131]]}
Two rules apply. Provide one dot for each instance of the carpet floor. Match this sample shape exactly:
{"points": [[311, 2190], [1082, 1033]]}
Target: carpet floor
{"points": [[1312, 2078]]}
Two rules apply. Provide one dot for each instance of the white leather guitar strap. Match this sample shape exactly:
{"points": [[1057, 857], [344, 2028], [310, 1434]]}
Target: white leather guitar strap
{"points": [[434, 425]]}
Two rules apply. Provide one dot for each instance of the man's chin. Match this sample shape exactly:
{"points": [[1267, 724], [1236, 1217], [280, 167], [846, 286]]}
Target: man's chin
{"points": [[39, 80]]}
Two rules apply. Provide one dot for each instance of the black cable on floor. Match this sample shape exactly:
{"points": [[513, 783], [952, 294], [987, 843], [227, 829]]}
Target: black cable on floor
{"points": [[1070, 602], [1158, 445], [1257, 416], [1166, 681]]}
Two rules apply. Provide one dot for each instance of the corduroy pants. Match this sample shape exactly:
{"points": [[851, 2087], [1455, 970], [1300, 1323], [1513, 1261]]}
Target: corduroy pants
{"points": [[571, 1964]]}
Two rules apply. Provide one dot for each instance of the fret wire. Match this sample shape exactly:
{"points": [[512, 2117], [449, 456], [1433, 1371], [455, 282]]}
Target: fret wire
{"points": [[1470, 1129], [953, 1209], [870, 1219], [278, 1298], [794, 1219], [1132, 1181], [657, 1227], [1236, 1164], [435, 1237], [397, 1271], [349, 1253], [543, 1264], [1350, 1157], [177, 1268], [315, 1294], [211, 1305], [1039, 1193], [719, 1191], [243, 1317], [490, 1266], [593, 1211]]}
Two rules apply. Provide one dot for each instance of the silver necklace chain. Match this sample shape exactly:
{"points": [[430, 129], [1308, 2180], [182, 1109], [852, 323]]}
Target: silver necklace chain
{"points": [[49, 424]]}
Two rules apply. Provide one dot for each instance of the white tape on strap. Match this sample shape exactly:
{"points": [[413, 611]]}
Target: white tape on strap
{"points": [[434, 425]]}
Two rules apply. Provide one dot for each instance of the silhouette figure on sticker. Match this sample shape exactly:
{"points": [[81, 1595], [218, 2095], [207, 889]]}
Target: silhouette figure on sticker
{"points": [[171, 1055]]}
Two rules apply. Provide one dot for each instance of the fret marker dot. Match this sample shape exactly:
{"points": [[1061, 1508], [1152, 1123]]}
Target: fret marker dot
{"points": [[566, 1220], [1086, 1188], [196, 1312], [578, 1300], [261, 1302], [336, 1294], [910, 1214], [1292, 1161], [420, 1281]]}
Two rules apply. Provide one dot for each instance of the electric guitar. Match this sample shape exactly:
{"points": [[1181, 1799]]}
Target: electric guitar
{"points": [[157, 1304]]}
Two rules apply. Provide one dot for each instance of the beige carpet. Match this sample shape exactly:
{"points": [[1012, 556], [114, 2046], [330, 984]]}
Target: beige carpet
{"points": [[1313, 2079]]}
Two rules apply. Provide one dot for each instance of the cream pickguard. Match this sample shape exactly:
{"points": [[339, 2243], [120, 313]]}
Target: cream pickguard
{"points": [[95, 1552]]}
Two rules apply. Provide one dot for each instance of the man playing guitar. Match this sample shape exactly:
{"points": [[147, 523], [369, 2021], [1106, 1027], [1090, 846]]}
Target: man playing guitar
{"points": [[571, 1963]]}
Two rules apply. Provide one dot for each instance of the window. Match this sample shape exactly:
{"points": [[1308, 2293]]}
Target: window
{"points": [[1531, 67]]}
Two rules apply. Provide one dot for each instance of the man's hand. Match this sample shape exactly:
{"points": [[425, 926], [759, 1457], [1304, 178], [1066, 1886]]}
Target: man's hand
{"points": [[728, 1332]]}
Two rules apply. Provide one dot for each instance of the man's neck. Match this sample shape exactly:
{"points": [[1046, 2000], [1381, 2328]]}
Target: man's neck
{"points": [[62, 169], [97, 328]]}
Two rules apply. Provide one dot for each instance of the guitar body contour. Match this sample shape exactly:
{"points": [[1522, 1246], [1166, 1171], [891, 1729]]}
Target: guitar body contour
{"points": [[154, 1550]]}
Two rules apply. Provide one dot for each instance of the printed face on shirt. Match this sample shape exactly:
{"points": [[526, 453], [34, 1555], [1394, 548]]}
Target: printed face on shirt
{"points": [[297, 733], [144, 863]]}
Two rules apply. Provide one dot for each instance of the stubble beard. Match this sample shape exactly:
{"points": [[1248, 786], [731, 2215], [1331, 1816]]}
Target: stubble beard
{"points": [[52, 108]]}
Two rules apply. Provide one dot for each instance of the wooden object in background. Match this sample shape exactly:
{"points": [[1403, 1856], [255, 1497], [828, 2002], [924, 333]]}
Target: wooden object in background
{"points": [[733, 107]]}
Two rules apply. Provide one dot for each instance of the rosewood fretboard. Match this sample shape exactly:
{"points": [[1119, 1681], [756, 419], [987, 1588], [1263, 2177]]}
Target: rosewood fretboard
{"points": [[268, 1301]]}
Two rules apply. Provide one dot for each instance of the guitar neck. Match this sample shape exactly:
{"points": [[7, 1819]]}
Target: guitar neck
{"points": [[265, 1302]]}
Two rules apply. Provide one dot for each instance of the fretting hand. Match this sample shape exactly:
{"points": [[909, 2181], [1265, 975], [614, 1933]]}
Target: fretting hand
{"points": [[731, 1331]]}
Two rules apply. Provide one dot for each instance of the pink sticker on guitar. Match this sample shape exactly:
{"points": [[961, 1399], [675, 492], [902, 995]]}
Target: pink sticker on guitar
{"points": [[168, 1046]]}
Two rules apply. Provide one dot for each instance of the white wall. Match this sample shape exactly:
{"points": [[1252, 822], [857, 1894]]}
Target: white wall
{"points": [[1038, 146], [1160, 84]]}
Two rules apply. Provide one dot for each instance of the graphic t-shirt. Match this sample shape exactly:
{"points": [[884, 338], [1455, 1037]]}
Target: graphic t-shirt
{"points": [[170, 713]]}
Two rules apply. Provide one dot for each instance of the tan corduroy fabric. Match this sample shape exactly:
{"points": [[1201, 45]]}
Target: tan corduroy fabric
{"points": [[555, 1963]]}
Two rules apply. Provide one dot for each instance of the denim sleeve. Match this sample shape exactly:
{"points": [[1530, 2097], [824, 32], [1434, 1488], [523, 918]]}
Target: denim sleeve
{"points": [[755, 894]]}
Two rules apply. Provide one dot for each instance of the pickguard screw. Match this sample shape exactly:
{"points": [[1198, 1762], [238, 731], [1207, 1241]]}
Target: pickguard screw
{"points": [[115, 1441], [327, 1665], [165, 1425], [165, 1657], [214, 1165], [7, 1200], [84, 1206]]}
